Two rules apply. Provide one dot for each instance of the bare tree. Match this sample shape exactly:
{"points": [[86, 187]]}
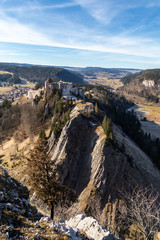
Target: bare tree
{"points": [[141, 212]]}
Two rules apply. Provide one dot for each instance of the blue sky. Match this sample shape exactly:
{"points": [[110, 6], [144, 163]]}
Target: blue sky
{"points": [[103, 33]]}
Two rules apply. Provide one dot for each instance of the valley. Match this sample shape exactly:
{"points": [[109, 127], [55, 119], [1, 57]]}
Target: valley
{"points": [[93, 146], [79, 120], [108, 77]]}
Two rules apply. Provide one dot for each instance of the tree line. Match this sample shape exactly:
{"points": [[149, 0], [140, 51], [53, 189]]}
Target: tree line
{"points": [[60, 110]]}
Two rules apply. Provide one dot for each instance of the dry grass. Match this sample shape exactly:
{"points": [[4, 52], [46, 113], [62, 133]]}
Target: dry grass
{"points": [[30, 85], [152, 112], [100, 80], [5, 89], [5, 72], [28, 229]]}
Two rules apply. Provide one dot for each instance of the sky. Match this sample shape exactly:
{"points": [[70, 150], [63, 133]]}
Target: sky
{"points": [[97, 33]]}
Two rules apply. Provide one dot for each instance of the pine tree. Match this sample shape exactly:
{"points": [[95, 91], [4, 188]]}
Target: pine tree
{"points": [[107, 127], [43, 180], [67, 102], [56, 108], [60, 106], [89, 96], [68, 114], [42, 134], [104, 123], [96, 108]]}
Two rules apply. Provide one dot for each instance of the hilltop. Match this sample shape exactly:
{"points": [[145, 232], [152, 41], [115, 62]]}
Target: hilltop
{"points": [[9, 78]]}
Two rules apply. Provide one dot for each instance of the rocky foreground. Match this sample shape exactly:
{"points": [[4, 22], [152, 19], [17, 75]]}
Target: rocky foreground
{"points": [[20, 220]]}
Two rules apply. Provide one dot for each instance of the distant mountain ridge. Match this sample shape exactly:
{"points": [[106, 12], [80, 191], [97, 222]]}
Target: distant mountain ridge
{"points": [[118, 72], [41, 73]]}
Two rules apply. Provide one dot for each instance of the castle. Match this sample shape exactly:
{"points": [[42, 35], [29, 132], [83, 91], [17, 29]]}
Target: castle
{"points": [[33, 93], [66, 88]]}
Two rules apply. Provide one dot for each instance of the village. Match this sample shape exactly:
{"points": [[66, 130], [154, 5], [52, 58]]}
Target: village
{"points": [[14, 94]]}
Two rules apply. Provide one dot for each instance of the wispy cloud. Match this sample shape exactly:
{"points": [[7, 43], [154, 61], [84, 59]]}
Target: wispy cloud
{"points": [[106, 10], [10, 53], [36, 6], [119, 44], [103, 11], [13, 31], [92, 27]]}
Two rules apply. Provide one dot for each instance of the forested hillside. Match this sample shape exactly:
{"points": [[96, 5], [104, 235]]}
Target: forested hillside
{"points": [[40, 74], [150, 74], [10, 78], [144, 84]]}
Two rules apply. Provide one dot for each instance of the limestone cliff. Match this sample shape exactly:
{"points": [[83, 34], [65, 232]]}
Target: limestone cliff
{"points": [[142, 84], [96, 171]]}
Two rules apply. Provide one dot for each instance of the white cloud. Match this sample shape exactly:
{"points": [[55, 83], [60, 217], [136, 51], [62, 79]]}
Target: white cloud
{"points": [[65, 33], [10, 53], [12, 31], [31, 6], [106, 10]]}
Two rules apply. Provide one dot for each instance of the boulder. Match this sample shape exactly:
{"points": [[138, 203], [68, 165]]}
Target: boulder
{"points": [[90, 227]]}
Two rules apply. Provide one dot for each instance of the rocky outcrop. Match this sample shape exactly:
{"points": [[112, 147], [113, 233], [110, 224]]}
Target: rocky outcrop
{"points": [[96, 170], [19, 220], [91, 227], [15, 197]]}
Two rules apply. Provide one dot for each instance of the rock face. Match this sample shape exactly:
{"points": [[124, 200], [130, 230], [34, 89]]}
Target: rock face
{"points": [[148, 83], [15, 197], [91, 227], [19, 220], [82, 161], [140, 161]]}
